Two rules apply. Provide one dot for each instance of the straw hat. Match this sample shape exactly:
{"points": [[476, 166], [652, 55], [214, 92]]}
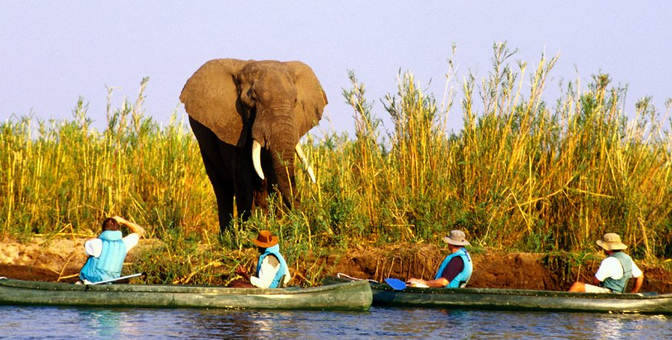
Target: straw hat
{"points": [[611, 241], [456, 238], [265, 239]]}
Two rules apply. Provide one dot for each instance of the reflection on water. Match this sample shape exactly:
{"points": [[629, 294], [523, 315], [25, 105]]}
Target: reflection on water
{"points": [[392, 323], [106, 323]]}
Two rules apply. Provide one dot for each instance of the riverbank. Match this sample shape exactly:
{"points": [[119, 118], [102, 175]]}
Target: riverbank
{"points": [[59, 259]]}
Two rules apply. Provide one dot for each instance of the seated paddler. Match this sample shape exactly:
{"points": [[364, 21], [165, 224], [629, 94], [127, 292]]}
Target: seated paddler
{"points": [[455, 270], [614, 272], [272, 270], [108, 251]]}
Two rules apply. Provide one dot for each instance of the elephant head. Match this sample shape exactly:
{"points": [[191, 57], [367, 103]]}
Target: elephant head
{"points": [[248, 117]]}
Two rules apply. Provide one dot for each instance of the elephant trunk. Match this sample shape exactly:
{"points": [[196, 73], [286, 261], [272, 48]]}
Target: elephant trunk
{"points": [[282, 145], [280, 138], [283, 166]]}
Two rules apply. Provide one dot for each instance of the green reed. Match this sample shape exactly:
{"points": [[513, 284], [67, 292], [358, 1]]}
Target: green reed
{"points": [[523, 173]]}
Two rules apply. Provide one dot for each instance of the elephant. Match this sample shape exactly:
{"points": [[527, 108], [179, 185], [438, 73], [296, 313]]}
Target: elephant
{"points": [[248, 117]]}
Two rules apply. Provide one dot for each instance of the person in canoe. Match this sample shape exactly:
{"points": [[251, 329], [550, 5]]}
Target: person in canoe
{"points": [[272, 270], [108, 251], [614, 271], [455, 270]]}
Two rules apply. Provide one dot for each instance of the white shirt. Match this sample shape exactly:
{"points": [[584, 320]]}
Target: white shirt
{"points": [[611, 267], [267, 274], [94, 247]]}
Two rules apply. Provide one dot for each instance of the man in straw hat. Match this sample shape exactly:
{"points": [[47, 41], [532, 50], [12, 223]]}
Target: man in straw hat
{"points": [[614, 271], [455, 270], [272, 270]]}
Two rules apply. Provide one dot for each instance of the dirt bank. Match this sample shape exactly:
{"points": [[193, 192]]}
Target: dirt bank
{"points": [[492, 268], [60, 260]]}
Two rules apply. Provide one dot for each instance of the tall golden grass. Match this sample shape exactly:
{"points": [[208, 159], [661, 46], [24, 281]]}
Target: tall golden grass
{"points": [[65, 177], [523, 172]]}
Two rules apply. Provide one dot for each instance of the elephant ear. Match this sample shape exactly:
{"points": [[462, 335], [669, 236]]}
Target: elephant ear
{"points": [[311, 98], [211, 97]]}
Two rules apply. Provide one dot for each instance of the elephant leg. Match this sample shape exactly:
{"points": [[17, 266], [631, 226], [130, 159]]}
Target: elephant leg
{"points": [[245, 182], [223, 192], [218, 172]]}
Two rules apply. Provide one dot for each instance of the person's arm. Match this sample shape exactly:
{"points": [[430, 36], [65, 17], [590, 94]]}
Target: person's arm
{"points": [[135, 228], [638, 284], [93, 247], [638, 275], [607, 268], [266, 274], [596, 281], [454, 267], [440, 282]]}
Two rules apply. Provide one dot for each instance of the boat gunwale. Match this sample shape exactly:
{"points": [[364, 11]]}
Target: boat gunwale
{"points": [[522, 292], [170, 288], [345, 297], [377, 286], [518, 299]]}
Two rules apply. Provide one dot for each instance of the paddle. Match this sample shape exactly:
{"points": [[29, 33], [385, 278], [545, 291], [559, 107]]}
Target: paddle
{"points": [[117, 279], [396, 284]]}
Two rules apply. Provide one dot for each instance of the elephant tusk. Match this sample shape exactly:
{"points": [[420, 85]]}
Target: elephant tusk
{"points": [[256, 159], [304, 160]]}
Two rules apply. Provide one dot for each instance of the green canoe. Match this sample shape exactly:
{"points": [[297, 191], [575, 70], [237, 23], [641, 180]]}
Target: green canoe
{"points": [[341, 296], [516, 299]]}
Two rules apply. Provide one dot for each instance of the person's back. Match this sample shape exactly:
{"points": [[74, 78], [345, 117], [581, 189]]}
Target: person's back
{"points": [[614, 271], [108, 251], [272, 270], [455, 270]]}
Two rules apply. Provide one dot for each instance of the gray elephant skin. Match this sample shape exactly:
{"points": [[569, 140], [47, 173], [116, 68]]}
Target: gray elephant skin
{"points": [[248, 117]]}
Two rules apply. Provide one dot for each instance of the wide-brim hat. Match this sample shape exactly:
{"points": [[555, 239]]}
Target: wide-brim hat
{"points": [[611, 241], [265, 239], [456, 238]]}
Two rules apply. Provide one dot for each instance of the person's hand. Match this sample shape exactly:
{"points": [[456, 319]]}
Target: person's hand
{"points": [[416, 282], [242, 271], [135, 228]]}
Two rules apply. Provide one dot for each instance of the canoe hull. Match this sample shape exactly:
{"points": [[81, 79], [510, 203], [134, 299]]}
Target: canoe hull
{"points": [[518, 299], [339, 297]]}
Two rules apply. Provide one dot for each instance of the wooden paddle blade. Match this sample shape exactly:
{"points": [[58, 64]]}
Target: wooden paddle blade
{"points": [[396, 284]]}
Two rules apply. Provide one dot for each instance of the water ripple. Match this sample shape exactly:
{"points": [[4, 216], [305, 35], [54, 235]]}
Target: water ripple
{"points": [[389, 323]]}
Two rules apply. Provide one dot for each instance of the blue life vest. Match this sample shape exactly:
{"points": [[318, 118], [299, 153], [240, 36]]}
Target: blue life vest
{"points": [[108, 265], [463, 277], [275, 251], [620, 284]]}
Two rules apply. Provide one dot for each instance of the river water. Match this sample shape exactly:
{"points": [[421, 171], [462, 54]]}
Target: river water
{"points": [[387, 323]]}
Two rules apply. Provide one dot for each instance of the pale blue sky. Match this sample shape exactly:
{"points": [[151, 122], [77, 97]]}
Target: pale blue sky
{"points": [[52, 52]]}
